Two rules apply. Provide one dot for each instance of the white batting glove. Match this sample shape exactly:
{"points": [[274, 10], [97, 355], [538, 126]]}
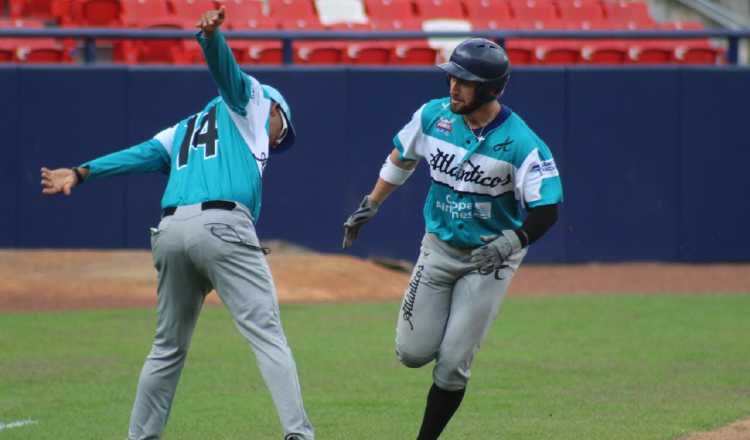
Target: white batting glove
{"points": [[492, 255], [364, 213]]}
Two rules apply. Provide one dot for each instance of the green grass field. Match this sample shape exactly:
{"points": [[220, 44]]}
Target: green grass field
{"points": [[583, 367]]}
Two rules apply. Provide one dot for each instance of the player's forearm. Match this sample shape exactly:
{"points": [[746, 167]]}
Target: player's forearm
{"points": [[537, 223], [224, 69], [146, 157], [381, 191]]}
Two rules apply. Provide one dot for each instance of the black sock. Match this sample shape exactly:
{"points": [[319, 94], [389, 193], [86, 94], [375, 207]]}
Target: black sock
{"points": [[441, 405]]}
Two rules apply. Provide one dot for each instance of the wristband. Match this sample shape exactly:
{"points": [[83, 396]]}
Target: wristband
{"points": [[79, 176]]}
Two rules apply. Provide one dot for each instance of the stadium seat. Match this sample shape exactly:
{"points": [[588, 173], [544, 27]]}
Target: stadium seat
{"points": [[486, 10], [493, 24], [98, 13], [532, 10], [171, 51], [579, 10], [431, 9], [341, 11], [413, 52], [136, 13], [259, 23], [413, 24], [190, 9], [380, 10], [692, 51], [7, 51], [351, 27], [39, 9], [42, 50], [292, 9], [302, 24], [635, 11], [318, 52], [239, 11], [604, 52], [368, 52]]}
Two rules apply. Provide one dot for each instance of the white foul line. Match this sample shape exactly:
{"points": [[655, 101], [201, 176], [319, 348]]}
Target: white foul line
{"points": [[16, 424]]}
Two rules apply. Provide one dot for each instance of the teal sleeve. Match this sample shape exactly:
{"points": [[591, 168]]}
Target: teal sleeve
{"points": [[234, 85], [146, 157]]}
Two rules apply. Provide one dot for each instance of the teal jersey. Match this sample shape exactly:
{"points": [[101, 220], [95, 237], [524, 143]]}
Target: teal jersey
{"points": [[219, 153], [481, 185]]}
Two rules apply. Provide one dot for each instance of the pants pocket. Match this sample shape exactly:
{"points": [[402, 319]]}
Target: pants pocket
{"points": [[229, 234]]}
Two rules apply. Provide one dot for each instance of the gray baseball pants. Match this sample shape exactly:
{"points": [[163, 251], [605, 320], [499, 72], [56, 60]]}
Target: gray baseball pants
{"points": [[447, 309], [194, 251]]}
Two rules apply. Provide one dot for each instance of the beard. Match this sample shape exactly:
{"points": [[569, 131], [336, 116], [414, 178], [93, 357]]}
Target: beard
{"points": [[466, 108]]}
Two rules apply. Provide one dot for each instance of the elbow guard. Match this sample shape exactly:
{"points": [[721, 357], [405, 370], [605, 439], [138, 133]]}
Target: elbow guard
{"points": [[393, 174]]}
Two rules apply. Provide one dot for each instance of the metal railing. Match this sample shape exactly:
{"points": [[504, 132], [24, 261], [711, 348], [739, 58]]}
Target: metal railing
{"points": [[90, 35]]}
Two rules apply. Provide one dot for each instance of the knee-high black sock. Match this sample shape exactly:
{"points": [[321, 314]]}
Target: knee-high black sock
{"points": [[441, 405]]}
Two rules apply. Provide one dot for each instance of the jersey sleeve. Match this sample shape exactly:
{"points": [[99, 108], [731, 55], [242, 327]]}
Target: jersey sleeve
{"points": [[409, 140], [145, 157], [538, 180], [235, 87]]}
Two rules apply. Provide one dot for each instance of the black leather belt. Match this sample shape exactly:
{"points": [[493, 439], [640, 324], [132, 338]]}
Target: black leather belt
{"points": [[211, 204]]}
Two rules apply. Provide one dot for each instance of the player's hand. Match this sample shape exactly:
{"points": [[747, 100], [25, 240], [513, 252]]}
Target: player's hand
{"points": [[497, 249], [364, 213], [211, 20], [61, 180]]}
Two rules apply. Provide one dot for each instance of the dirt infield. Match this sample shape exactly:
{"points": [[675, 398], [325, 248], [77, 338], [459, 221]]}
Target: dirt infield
{"points": [[63, 280], [50, 280]]}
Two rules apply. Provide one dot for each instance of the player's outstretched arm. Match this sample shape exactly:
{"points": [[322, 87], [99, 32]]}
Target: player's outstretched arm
{"points": [[233, 84], [61, 180], [393, 174]]}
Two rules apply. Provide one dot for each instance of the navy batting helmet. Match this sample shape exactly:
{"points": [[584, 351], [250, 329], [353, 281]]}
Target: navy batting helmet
{"points": [[483, 61]]}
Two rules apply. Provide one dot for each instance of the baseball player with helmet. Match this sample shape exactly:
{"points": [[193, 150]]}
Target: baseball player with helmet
{"points": [[206, 238], [495, 190]]}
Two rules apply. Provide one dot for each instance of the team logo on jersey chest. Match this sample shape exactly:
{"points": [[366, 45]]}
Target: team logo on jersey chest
{"points": [[445, 125], [470, 172]]}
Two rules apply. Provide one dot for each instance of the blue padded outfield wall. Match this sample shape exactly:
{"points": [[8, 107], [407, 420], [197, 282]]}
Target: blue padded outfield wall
{"points": [[653, 160]]}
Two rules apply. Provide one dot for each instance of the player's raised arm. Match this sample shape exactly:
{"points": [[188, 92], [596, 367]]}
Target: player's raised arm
{"points": [[233, 84]]}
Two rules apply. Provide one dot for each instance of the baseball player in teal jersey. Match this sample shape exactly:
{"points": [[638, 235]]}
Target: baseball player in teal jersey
{"points": [[206, 238], [495, 190]]}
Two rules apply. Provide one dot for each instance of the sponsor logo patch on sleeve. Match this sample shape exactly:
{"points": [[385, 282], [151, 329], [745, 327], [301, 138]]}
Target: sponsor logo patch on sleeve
{"points": [[548, 168]]}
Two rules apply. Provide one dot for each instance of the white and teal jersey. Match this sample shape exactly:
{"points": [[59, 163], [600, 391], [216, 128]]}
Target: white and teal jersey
{"points": [[218, 153], [481, 185]]}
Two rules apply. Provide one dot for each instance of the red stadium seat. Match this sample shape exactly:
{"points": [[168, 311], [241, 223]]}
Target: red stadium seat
{"points": [[692, 51], [244, 10], [604, 52], [266, 52], [261, 23], [42, 50], [635, 11], [579, 10], [191, 9], [368, 52], [99, 13], [531, 10], [39, 9], [292, 9], [7, 51], [487, 10], [431, 9], [413, 52], [413, 24], [135, 13], [379, 10], [171, 51], [302, 24], [493, 24], [351, 27], [317, 52]]}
